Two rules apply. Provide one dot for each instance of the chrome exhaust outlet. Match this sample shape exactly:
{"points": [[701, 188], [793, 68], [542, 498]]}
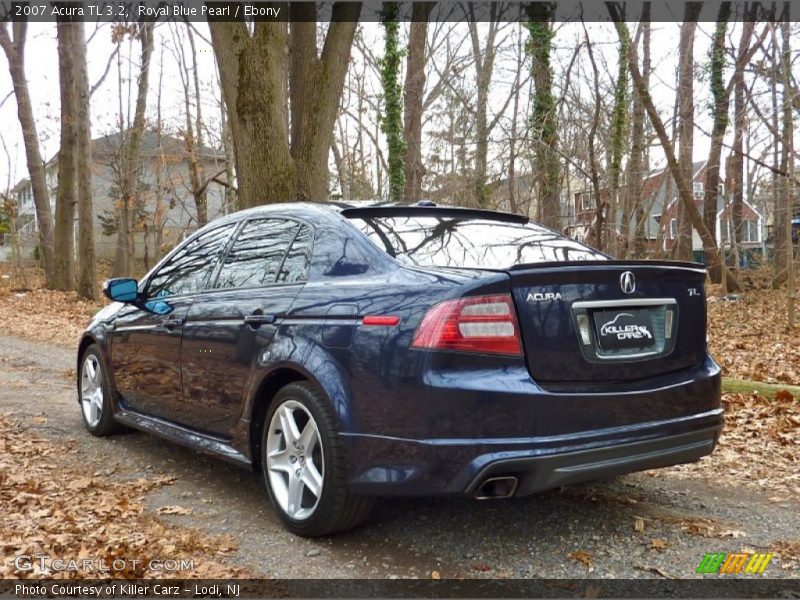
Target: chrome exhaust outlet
{"points": [[495, 488]]}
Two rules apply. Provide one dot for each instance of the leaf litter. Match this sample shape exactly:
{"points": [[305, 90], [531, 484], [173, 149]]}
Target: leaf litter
{"points": [[66, 513]]}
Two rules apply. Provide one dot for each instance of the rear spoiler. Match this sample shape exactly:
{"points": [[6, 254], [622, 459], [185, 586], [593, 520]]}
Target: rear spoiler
{"points": [[452, 212], [622, 264]]}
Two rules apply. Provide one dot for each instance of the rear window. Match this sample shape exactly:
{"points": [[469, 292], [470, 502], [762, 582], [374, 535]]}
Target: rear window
{"points": [[468, 243]]}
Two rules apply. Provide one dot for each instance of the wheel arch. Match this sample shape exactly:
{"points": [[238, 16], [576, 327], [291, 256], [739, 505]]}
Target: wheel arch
{"points": [[327, 377], [86, 341]]}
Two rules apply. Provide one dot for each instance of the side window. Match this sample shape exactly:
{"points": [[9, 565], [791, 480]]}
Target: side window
{"points": [[295, 267], [188, 270], [257, 253]]}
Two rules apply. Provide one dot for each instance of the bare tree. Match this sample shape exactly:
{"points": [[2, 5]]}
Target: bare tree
{"points": [[130, 154], [413, 93], [254, 68], [66, 194], [87, 269], [684, 187], [683, 244], [15, 54]]}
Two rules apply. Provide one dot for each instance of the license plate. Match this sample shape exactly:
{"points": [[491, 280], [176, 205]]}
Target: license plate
{"points": [[625, 328]]}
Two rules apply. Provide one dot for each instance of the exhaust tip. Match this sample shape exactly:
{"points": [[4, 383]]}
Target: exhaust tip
{"points": [[494, 488]]}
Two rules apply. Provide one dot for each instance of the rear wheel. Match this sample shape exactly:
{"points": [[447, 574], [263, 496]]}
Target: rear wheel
{"points": [[303, 465], [95, 394]]}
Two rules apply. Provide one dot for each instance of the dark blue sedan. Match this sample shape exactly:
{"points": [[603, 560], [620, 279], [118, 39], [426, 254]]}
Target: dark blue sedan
{"points": [[350, 352]]}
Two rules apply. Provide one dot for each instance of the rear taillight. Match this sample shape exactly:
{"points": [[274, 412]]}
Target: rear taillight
{"points": [[484, 324]]}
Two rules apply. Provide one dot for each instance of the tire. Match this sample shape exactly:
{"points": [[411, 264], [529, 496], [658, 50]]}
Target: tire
{"points": [[94, 394], [306, 482]]}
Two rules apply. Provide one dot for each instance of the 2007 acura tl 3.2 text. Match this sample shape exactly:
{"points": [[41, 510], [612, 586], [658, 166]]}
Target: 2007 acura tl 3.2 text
{"points": [[355, 351]]}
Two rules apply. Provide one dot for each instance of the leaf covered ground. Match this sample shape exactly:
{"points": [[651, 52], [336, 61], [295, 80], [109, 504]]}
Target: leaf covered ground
{"points": [[52, 505]]}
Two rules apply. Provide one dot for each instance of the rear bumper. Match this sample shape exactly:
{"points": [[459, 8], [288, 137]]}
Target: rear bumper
{"points": [[539, 473], [400, 467]]}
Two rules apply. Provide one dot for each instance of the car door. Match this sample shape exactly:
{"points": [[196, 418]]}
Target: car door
{"points": [[232, 323], [146, 339]]}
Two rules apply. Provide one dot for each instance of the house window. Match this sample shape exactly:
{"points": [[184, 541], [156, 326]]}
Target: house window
{"points": [[673, 229], [586, 201], [697, 189], [749, 231]]}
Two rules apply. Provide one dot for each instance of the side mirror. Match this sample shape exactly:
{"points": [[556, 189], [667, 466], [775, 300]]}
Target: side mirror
{"points": [[123, 289]]}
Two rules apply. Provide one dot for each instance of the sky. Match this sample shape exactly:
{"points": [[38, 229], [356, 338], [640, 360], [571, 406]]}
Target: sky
{"points": [[42, 70]]}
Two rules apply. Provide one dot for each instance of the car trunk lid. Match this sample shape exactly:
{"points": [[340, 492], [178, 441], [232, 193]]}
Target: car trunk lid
{"points": [[610, 321]]}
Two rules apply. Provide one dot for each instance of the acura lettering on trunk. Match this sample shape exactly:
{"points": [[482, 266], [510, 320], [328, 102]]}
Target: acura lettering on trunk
{"points": [[348, 352]]}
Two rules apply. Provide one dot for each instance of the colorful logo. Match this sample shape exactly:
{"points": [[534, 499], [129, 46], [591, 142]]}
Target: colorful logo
{"points": [[736, 562]]}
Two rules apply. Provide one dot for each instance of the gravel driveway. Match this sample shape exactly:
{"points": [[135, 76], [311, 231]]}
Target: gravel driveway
{"points": [[631, 527]]}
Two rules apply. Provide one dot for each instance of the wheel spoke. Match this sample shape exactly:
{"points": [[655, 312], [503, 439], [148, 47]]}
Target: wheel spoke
{"points": [[308, 439], [295, 498], [90, 370], [95, 412], [288, 426], [278, 460], [312, 479]]}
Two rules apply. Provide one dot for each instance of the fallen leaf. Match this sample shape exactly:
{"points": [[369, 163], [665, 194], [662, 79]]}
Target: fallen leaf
{"points": [[435, 575], [638, 525], [659, 544], [582, 556], [174, 510]]}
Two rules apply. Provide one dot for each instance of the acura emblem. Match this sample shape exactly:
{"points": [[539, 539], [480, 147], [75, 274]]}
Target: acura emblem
{"points": [[627, 282]]}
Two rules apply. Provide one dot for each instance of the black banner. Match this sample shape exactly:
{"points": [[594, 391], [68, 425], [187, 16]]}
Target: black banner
{"points": [[712, 586], [370, 11]]}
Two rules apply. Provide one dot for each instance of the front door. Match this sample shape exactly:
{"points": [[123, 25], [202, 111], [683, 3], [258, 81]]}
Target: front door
{"points": [[146, 339]]}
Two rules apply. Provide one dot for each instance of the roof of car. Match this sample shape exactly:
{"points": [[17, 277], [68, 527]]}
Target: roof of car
{"points": [[370, 209]]}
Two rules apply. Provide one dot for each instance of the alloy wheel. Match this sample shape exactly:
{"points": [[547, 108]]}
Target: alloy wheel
{"points": [[92, 390], [295, 460]]}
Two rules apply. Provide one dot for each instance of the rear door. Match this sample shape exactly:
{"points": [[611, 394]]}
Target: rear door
{"points": [[610, 321], [230, 325]]}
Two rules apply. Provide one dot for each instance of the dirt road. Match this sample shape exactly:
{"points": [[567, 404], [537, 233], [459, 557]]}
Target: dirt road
{"points": [[643, 525]]}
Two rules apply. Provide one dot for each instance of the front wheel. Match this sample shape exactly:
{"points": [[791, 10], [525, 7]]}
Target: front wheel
{"points": [[303, 464], [95, 394]]}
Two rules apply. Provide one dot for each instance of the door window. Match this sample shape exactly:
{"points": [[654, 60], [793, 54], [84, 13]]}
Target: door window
{"points": [[298, 259], [187, 271], [257, 254]]}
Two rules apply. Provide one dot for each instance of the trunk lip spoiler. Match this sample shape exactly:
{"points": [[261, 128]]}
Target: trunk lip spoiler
{"points": [[612, 264]]}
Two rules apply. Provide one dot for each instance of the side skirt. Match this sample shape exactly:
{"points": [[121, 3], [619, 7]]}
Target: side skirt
{"points": [[201, 442]]}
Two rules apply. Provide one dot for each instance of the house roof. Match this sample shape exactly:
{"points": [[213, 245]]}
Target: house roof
{"points": [[109, 145]]}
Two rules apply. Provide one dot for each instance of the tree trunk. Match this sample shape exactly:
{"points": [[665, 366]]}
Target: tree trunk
{"points": [[737, 165], [65, 196], [15, 53], [596, 232], [87, 265], [413, 99], [130, 160], [391, 123], [709, 244], [784, 211], [543, 124], [254, 91], [683, 245], [484, 67], [618, 139], [195, 140], [253, 80], [635, 215]]}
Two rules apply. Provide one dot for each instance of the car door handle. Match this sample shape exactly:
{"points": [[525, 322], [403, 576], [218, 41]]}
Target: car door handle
{"points": [[172, 323], [256, 320]]}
